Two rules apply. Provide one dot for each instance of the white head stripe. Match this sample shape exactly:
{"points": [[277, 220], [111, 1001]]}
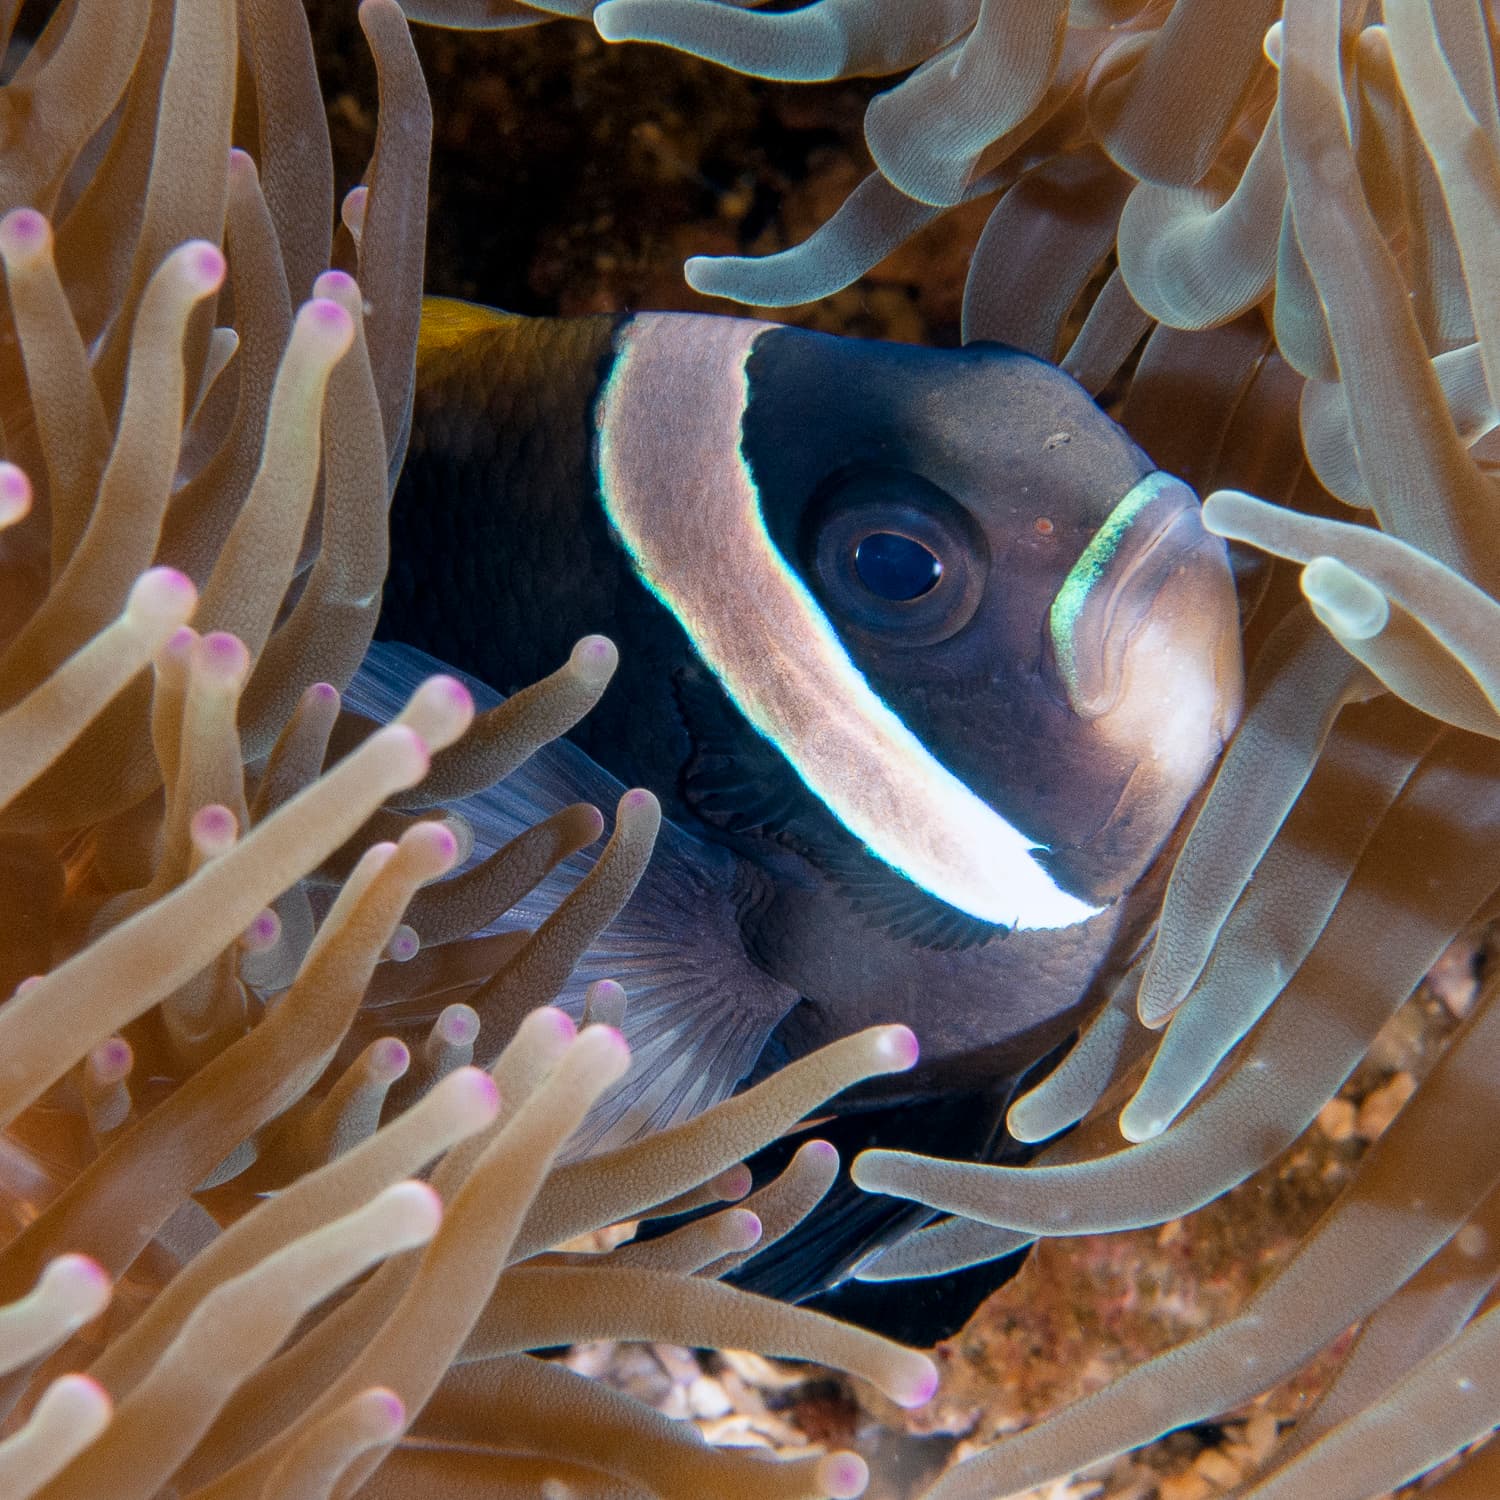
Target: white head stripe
{"points": [[678, 491]]}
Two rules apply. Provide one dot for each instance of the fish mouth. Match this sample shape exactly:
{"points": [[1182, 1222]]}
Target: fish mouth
{"points": [[1151, 554]]}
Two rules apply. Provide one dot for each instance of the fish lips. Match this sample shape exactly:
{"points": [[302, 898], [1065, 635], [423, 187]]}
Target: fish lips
{"points": [[1151, 553]]}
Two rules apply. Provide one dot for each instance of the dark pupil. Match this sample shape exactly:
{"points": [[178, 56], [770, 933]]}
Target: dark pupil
{"points": [[895, 567]]}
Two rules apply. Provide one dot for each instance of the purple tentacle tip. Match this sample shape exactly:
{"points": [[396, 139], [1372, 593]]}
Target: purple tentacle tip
{"points": [[898, 1046]]}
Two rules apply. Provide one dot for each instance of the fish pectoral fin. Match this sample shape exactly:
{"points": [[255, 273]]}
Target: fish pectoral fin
{"points": [[698, 1011]]}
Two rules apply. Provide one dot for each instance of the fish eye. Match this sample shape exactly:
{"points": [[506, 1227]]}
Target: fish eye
{"points": [[896, 567], [892, 556]]}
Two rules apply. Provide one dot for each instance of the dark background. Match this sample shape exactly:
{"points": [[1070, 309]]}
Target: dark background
{"points": [[570, 176]]}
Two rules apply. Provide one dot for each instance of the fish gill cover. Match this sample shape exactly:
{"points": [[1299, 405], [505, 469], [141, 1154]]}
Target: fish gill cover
{"points": [[1267, 229]]}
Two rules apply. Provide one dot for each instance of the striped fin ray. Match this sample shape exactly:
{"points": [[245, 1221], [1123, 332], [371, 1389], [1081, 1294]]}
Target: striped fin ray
{"points": [[698, 1010]]}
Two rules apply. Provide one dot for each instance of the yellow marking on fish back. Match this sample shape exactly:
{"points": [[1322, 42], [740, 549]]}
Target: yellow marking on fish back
{"points": [[447, 322]]}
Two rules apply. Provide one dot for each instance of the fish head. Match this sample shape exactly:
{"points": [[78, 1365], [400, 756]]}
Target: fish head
{"points": [[932, 600], [1009, 573]]}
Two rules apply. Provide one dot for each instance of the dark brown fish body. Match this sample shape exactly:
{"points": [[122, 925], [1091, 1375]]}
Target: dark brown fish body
{"points": [[922, 657]]}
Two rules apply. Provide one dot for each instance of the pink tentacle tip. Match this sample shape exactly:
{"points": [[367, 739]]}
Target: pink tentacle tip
{"points": [[352, 209], [24, 232], [387, 1410], [745, 1228], [412, 748], [13, 510], [404, 945], [115, 1053], [481, 1087], [418, 1210], [458, 1025], [607, 1051], [325, 311], [610, 1036], [843, 1476], [733, 1183], [213, 828], [460, 699], [339, 285], [331, 323], [223, 654], [162, 594], [897, 1047], [15, 493], [918, 1385], [638, 800], [322, 692], [83, 1282], [389, 1058], [80, 1396], [442, 707], [29, 983], [440, 840], [204, 263], [262, 933], [111, 1060], [596, 656], [822, 1150], [562, 1024]]}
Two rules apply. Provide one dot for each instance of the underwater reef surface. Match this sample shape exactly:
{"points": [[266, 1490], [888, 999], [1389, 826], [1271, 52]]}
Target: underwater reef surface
{"points": [[1274, 230]]}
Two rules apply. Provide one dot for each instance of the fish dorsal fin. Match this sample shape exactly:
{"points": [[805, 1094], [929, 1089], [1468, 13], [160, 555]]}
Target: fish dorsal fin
{"points": [[698, 1010], [446, 321]]}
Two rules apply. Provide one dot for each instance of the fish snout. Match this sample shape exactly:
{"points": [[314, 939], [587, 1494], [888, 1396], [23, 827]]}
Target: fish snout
{"points": [[1151, 569], [1145, 645], [1152, 576]]}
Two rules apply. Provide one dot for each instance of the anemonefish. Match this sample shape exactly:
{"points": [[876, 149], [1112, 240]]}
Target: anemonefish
{"points": [[922, 656]]}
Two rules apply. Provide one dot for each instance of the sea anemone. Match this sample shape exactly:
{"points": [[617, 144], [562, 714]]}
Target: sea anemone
{"points": [[209, 868], [1265, 232]]}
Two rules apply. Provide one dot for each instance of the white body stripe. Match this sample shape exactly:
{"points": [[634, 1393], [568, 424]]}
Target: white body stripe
{"points": [[678, 491]]}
